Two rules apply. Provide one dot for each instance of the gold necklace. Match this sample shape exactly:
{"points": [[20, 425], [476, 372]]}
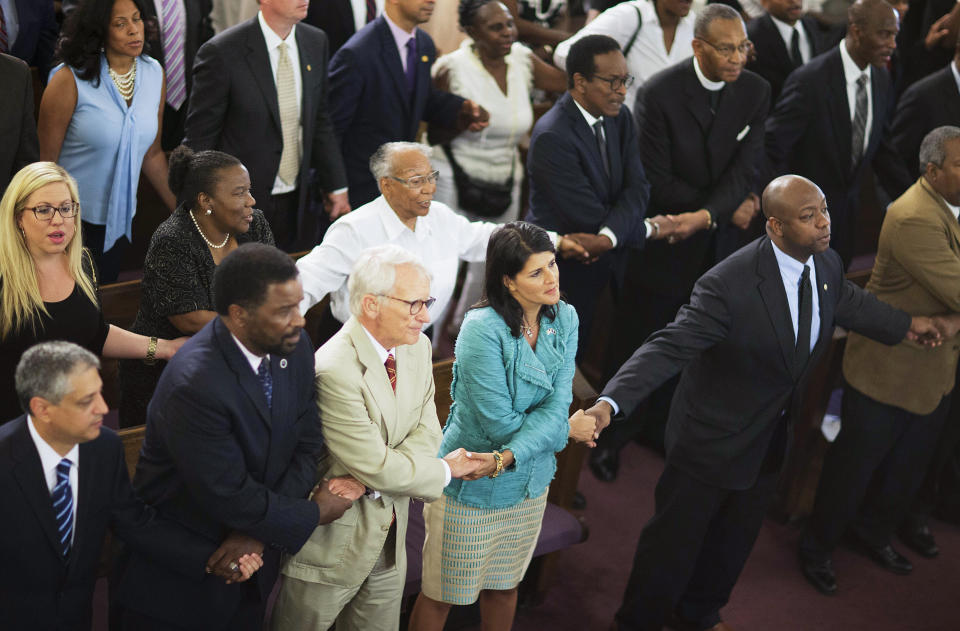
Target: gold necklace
{"points": [[125, 82], [204, 237]]}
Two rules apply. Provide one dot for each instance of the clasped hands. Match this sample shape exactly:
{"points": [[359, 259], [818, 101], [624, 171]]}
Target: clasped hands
{"points": [[586, 425], [933, 330]]}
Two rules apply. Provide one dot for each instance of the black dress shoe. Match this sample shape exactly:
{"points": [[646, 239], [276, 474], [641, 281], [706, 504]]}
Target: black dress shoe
{"points": [[889, 559], [819, 574], [604, 462], [919, 539]]}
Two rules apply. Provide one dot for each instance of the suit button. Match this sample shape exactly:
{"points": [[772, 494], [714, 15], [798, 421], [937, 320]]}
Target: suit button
{"points": [[783, 412]]}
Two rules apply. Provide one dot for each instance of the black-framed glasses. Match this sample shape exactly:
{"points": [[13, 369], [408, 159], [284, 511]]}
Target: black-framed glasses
{"points": [[616, 83], [416, 306], [419, 181], [726, 50], [44, 212]]}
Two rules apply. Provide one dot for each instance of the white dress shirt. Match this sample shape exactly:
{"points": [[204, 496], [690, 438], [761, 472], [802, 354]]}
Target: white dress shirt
{"points": [[956, 73], [359, 8], [712, 86], [11, 22], [49, 459], [441, 239], [786, 32], [293, 53], [253, 359], [852, 72]]}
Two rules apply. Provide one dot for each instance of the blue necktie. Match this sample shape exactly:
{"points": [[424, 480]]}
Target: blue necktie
{"points": [[411, 64], [62, 498], [266, 380]]}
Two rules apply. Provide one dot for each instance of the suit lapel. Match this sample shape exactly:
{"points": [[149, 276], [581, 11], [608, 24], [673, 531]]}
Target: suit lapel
{"points": [[589, 140], [951, 94], [85, 482], [946, 215], [29, 474], [258, 61], [610, 128], [878, 81], [775, 299], [697, 99], [391, 60], [308, 76], [375, 377], [826, 302], [839, 107], [238, 363], [421, 84], [780, 54], [718, 139]]}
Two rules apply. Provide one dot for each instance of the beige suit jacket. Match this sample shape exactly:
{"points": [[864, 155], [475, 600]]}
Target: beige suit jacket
{"points": [[387, 441], [917, 270]]}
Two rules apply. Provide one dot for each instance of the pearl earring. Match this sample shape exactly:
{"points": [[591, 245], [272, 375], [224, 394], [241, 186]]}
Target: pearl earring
{"points": [[209, 211]]}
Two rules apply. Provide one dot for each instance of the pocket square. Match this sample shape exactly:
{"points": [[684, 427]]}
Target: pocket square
{"points": [[743, 132]]}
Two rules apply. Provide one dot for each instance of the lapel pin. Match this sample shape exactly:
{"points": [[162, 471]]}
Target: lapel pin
{"points": [[309, 68], [283, 363], [424, 59], [551, 331], [824, 287]]}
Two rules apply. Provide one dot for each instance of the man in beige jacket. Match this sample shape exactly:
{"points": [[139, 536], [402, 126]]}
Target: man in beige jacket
{"points": [[375, 394], [896, 397]]}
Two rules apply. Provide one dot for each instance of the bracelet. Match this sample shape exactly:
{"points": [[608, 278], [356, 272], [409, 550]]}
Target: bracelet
{"points": [[151, 357], [499, 459]]}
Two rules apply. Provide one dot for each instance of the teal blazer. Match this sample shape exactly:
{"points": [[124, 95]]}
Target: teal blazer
{"points": [[506, 396]]}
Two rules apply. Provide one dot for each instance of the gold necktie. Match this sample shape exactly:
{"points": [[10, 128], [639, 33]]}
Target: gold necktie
{"points": [[289, 118]]}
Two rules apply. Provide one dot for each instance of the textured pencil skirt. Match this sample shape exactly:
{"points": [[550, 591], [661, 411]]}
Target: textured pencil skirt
{"points": [[468, 549]]}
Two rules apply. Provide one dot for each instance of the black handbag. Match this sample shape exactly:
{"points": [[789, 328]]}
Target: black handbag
{"points": [[483, 199]]}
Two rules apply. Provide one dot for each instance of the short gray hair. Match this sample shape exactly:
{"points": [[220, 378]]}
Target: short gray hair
{"points": [[375, 272], [933, 148], [45, 370], [710, 13], [381, 162]]}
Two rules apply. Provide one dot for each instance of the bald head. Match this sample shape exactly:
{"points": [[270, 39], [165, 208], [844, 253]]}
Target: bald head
{"points": [[863, 11], [871, 37], [797, 218]]}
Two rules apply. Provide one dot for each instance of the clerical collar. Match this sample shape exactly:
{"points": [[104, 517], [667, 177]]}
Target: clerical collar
{"points": [[713, 86]]}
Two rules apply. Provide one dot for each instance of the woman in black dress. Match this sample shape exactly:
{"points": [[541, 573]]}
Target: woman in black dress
{"points": [[214, 216], [48, 284]]}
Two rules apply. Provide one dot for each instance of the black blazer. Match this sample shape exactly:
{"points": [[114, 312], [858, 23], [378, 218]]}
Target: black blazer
{"points": [[335, 18], [18, 128], [37, 35], [369, 103], [234, 109], [39, 589], [926, 105], [569, 190], [696, 160], [773, 61], [809, 134], [215, 458], [734, 343]]}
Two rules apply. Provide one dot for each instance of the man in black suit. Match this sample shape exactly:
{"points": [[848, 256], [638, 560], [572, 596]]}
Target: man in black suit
{"points": [[833, 120], [18, 127], [261, 95], [340, 19], [232, 447], [380, 90], [927, 104], [64, 482], [30, 32], [701, 134], [784, 39], [755, 325], [586, 178]]}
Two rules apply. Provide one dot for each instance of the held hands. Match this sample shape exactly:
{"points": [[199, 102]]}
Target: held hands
{"points": [[663, 227], [473, 116], [570, 248], [237, 558], [336, 204], [583, 428], [687, 224], [484, 464], [601, 411], [948, 324], [594, 244], [923, 331], [746, 211], [332, 506], [463, 463], [348, 487]]}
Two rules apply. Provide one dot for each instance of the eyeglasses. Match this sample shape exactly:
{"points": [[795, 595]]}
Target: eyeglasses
{"points": [[44, 212], [726, 50], [617, 83], [416, 306], [418, 181]]}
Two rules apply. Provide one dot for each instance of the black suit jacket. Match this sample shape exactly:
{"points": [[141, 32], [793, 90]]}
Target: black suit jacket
{"points": [[335, 18], [18, 128], [926, 105], [809, 134], [734, 343], [234, 109], [370, 104], [40, 590], [696, 160], [37, 34], [215, 458], [773, 61]]}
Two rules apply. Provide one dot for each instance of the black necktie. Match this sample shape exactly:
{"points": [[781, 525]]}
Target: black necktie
{"points": [[795, 55], [859, 129], [602, 145], [805, 309]]}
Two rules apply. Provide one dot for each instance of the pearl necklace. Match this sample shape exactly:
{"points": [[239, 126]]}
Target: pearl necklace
{"points": [[204, 237], [125, 82]]}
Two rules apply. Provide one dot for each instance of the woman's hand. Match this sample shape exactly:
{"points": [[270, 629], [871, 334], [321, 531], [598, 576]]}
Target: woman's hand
{"points": [[166, 349], [347, 486], [583, 428]]}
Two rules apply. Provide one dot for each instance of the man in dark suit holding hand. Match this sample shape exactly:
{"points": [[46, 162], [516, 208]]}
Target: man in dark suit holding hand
{"points": [[755, 325]]}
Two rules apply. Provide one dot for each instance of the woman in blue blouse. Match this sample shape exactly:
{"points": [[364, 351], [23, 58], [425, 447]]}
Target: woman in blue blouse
{"points": [[100, 118], [512, 388]]}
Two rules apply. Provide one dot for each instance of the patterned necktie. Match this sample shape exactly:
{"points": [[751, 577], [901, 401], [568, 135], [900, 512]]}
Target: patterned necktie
{"points": [[62, 497], [411, 71], [391, 366], [602, 146], [804, 321], [371, 10], [173, 24], [795, 55], [289, 118], [859, 122], [4, 42], [266, 380]]}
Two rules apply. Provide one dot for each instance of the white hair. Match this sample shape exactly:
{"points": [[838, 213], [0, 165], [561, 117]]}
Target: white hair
{"points": [[375, 272], [381, 162]]}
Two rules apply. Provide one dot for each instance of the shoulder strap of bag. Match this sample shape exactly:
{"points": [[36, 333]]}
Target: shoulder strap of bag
{"points": [[633, 38]]}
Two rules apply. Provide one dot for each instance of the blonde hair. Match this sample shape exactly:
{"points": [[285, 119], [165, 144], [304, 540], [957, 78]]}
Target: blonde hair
{"points": [[20, 301]]}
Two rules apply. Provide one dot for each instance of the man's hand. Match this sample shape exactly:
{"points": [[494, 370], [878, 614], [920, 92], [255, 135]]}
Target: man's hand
{"points": [[601, 411], [464, 463], [664, 227], [746, 211], [347, 486], [332, 506], [583, 428], [687, 224], [336, 204], [940, 31], [948, 324], [922, 331], [473, 116], [570, 248], [237, 558], [595, 244]]}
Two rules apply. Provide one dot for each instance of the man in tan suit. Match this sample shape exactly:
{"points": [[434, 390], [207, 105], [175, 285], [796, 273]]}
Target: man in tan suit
{"points": [[896, 397], [375, 394]]}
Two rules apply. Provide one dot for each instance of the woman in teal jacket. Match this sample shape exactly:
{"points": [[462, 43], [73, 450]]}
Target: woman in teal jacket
{"points": [[511, 390]]}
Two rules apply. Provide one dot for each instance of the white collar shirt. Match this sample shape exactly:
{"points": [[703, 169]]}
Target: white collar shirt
{"points": [[713, 86], [382, 352], [252, 358], [786, 32], [273, 43], [790, 271], [49, 459], [359, 8], [852, 72]]}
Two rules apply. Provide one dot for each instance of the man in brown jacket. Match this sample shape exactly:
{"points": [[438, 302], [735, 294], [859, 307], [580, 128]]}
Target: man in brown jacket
{"points": [[896, 397]]}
